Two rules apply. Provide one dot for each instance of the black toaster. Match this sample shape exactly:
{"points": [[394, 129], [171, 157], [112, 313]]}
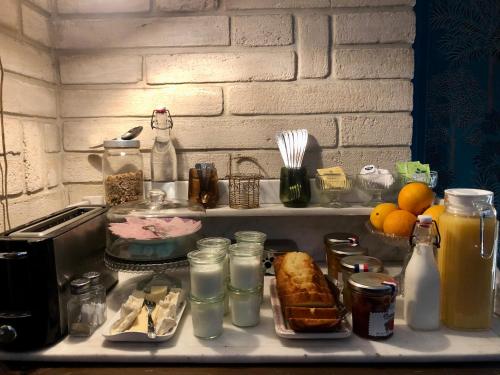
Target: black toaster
{"points": [[37, 262]]}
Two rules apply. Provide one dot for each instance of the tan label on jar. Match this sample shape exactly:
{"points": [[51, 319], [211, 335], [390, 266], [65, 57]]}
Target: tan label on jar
{"points": [[381, 324]]}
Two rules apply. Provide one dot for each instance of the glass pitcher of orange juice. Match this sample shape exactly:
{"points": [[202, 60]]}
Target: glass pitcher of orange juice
{"points": [[466, 259]]}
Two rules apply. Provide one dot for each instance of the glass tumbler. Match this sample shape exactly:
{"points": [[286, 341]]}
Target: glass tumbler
{"points": [[245, 264], [206, 270], [295, 189]]}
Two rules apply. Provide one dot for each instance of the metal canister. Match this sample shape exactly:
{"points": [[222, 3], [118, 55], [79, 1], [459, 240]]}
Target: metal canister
{"points": [[354, 264], [373, 304], [337, 246]]}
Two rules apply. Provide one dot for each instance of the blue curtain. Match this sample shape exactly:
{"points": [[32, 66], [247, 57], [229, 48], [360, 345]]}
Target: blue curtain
{"points": [[457, 92]]}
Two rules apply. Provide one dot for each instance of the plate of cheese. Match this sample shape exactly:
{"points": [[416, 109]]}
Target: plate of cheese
{"points": [[131, 322]]}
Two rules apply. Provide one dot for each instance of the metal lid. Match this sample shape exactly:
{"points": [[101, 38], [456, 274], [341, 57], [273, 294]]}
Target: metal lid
{"points": [[93, 276], [341, 239], [80, 286], [372, 283], [349, 263], [122, 143]]}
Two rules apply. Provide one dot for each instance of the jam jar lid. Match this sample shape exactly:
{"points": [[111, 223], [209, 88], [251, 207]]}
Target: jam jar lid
{"points": [[80, 285], [372, 283], [156, 205], [341, 239], [349, 263]]}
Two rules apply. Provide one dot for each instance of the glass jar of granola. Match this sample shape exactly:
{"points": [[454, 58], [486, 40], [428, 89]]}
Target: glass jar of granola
{"points": [[122, 171]]}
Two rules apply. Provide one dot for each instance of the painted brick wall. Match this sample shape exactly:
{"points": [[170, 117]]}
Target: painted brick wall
{"points": [[32, 130], [233, 72]]}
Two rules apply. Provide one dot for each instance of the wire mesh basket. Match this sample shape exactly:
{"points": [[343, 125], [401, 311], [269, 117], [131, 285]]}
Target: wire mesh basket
{"points": [[244, 188]]}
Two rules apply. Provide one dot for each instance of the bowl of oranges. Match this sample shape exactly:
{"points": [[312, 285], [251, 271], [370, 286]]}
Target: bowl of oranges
{"points": [[396, 222]]}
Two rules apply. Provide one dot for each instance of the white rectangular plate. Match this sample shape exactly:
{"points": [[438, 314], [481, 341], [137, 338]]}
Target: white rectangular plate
{"points": [[141, 336], [282, 329]]}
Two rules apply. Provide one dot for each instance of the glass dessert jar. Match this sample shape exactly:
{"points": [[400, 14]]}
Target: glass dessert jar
{"points": [[207, 317], [207, 273], [469, 235], [122, 170], [373, 304], [245, 264], [153, 230], [337, 246], [354, 264], [245, 306]]}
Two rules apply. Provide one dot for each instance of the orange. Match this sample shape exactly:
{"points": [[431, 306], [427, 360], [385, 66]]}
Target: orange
{"points": [[415, 197], [399, 223], [435, 212], [380, 212]]}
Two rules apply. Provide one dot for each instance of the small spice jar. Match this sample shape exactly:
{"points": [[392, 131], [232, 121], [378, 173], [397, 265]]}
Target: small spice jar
{"points": [[208, 316], [354, 264], [81, 313], [245, 265], [337, 246], [250, 236], [122, 171], [373, 304], [245, 306], [99, 291], [206, 269]]}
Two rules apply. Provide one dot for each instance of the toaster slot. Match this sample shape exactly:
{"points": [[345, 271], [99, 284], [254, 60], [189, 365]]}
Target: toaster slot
{"points": [[49, 225]]}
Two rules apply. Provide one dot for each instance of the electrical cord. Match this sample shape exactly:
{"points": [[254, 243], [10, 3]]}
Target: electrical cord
{"points": [[4, 170]]}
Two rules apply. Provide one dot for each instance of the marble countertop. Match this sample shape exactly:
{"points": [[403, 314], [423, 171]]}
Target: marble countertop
{"points": [[260, 344]]}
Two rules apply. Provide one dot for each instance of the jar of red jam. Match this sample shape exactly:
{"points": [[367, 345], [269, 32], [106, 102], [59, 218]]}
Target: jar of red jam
{"points": [[373, 304]]}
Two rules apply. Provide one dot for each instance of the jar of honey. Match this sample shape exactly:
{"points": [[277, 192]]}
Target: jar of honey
{"points": [[469, 234], [373, 304]]}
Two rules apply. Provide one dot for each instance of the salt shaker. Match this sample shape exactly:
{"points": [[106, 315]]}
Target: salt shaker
{"points": [[80, 310], [99, 291]]}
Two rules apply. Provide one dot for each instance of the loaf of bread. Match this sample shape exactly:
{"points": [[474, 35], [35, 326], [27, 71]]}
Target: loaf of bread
{"points": [[307, 302]]}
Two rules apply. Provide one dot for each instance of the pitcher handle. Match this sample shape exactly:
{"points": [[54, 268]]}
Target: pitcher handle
{"points": [[484, 210]]}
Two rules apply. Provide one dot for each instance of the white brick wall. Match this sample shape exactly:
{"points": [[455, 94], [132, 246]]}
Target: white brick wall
{"points": [[142, 32], [36, 25], [86, 69], [9, 16], [383, 27], [33, 141], [220, 67], [232, 73], [100, 6], [363, 63], [262, 30], [186, 5], [24, 59]]}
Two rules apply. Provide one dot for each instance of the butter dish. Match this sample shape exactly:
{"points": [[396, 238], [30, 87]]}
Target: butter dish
{"points": [[128, 336]]}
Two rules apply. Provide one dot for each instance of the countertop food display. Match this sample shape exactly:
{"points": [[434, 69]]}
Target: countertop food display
{"points": [[261, 344]]}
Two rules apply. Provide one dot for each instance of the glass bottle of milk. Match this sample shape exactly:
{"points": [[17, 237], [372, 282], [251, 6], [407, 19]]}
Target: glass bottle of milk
{"points": [[422, 284], [163, 156]]}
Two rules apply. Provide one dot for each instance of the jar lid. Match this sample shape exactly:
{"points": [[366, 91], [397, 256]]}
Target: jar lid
{"points": [[341, 239], [93, 276], [372, 283], [467, 199], [206, 257], [156, 205], [246, 249], [349, 263], [213, 243], [250, 236], [80, 285], [122, 143]]}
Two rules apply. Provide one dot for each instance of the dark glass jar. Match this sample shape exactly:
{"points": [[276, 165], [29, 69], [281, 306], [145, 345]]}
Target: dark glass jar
{"points": [[295, 189], [337, 246], [373, 304]]}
